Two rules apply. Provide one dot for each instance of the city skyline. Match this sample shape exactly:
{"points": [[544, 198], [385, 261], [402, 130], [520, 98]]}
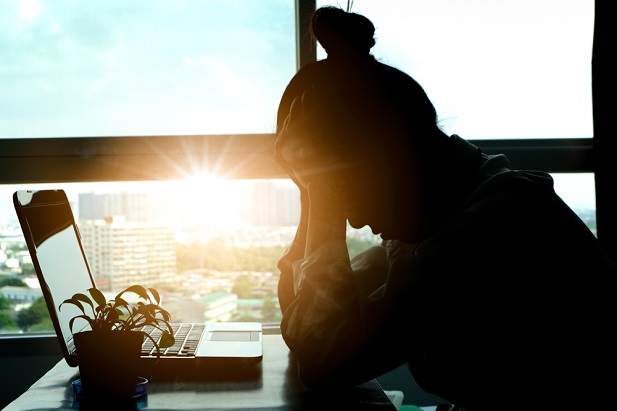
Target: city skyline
{"points": [[214, 202], [222, 199]]}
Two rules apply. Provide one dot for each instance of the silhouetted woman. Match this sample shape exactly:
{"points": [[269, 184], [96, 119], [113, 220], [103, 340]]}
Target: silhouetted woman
{"points": [[487, 285]]}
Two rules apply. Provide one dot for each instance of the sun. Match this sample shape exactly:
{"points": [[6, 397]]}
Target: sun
{"points": [[210, 203]]}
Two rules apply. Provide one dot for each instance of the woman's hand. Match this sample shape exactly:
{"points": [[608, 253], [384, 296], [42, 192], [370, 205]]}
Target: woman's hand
{"points": [[311, 148], [307, 146]]}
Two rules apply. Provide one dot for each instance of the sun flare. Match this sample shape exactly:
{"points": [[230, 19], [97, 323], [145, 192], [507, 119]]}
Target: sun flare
{"points": [[211, 203]]}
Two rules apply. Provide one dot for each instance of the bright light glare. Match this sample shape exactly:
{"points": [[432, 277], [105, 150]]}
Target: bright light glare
{"points": [[203, 205], [209, 202]]}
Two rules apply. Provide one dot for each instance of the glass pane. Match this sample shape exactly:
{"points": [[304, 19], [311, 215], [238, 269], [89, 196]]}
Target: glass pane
{"points": [[197, 242], [143, 67], [493, 69], [578, 190]]}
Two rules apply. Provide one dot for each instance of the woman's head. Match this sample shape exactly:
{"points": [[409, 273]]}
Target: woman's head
{"points": [[368, 119], [341, 33]]}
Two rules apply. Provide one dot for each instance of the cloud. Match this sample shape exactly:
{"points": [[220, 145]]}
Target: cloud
{"points": [[221, 77], [29, 10]]}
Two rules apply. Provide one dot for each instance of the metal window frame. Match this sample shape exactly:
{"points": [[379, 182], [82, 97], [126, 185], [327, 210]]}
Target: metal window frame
{"points": [[246, 156]]}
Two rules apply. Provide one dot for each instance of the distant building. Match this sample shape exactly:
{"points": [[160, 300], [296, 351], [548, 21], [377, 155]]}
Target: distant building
{"points": [[274, 205], [21, 295], [135, 207], [250, 308], [123, 253], [219, 306]]}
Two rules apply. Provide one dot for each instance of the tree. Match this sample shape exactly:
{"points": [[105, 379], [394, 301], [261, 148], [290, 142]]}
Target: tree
{"points": [[243, 287], [12, 281], [6, 322], [36, 313], [5, 304], [271, 311]]}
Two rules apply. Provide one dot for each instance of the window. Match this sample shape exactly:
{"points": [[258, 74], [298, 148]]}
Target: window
{"points": [[143, 68], [494, 70], [150, 97]]}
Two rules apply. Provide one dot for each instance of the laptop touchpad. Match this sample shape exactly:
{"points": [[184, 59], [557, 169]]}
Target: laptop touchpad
{"points": [[231, 336]]}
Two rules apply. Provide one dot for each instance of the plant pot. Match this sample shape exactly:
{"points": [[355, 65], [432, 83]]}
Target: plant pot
{"points": [[108, 363]]}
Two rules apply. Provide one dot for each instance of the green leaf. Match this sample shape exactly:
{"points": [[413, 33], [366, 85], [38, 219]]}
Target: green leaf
{"points": [[156, 345], [120, 302], [85, 317], [119, 316], [156, 295], [73, 301], [167, 340], [143, 310], [84, 298], [98, 296], [151, 309], [166, 316], [112, 315], [139, 290]]}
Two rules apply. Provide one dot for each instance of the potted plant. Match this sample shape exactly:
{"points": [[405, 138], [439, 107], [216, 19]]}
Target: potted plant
{"points": [[108, 352]]}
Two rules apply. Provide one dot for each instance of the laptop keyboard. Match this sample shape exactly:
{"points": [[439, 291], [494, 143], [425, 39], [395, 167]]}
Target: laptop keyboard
{"points": [[187, 337]]}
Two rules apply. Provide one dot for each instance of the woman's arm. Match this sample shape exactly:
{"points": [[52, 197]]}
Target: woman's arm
{"points": [[329, 324], [327, 222], [339, 335], [294, 253]]}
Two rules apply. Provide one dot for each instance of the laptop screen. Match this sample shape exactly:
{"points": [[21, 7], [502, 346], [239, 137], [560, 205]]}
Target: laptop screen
{"points": [[50, 228]]}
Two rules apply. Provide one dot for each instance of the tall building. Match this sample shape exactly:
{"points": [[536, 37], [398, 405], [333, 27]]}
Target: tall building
{"points": [[122, 253], [274, 205], [134, 206]]}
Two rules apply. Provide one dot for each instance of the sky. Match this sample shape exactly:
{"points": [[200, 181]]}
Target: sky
{"points": [[142, 67]]}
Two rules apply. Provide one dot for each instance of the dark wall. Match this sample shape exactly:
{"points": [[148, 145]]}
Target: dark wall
{"points": [[605, 142], [23, 360]]}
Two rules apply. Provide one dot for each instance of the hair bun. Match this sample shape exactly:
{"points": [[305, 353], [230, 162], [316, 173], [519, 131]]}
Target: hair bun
{"points": [[340, 32]]}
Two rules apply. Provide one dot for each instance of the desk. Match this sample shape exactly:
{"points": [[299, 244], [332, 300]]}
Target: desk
{"points": [[276, 388]]}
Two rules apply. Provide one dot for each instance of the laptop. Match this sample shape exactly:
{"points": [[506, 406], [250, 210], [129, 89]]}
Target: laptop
{"points": [[62, 268]]}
